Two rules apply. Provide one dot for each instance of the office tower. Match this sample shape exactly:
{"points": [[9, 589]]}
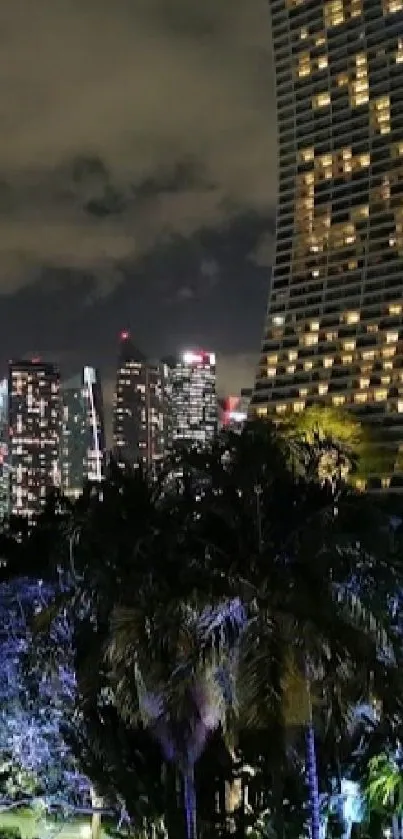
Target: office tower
{"points": [[334, 322], [139, 408], [34, 431], [193, 398], [4, 459], [83, 433]]}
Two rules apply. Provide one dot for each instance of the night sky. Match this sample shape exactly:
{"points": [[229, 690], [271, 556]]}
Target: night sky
{"points": [[137, 179]]}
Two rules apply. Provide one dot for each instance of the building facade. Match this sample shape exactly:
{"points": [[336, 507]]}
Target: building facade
{"points": [[193, 398], [34, 419], [4, 449], [83, 432], [139, 412], [334, 326]]}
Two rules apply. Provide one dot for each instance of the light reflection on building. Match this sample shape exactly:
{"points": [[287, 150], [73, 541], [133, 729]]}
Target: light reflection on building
{"points": [[233, 410], [334, 326], [34, 434]]}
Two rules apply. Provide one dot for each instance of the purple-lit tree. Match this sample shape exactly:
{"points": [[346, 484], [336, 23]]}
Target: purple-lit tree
{"points": [[35, 699]]}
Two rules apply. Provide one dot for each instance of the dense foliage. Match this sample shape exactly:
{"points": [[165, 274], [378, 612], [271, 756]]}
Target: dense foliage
{"points": [[222, 635]]}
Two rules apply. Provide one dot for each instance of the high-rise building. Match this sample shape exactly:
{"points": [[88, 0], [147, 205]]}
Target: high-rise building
{"points": [[4, 459], [334, 326], [193, 398], [83, 433], [139, 408], [34, 434]]}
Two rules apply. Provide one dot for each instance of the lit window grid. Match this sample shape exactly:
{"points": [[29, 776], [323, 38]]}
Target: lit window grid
{"points": [[335, 251]]}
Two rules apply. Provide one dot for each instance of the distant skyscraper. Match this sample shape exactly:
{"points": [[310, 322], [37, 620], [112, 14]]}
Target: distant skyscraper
{"points": [[34, 432], [193, 398], [139, 408], [4, 458], [334, 325], [83, 434]]}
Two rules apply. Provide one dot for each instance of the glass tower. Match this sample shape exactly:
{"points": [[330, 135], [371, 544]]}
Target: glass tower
{"points": [[334, 328]]}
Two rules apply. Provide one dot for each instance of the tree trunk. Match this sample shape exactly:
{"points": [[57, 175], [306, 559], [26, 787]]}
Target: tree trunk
{"points": [[313, 785], [189, 791], [174, 816], [395, 827], [96, 803]]}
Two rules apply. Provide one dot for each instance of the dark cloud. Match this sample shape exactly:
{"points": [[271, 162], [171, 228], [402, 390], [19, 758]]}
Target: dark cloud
{"points": [[126, 123]]}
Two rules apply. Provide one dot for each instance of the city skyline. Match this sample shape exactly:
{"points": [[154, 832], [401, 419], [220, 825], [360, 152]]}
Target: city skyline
{"points": [[118, 209]]}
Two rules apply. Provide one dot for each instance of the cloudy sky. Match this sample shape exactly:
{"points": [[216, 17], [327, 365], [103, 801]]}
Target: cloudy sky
{"points": [[137, 178]]}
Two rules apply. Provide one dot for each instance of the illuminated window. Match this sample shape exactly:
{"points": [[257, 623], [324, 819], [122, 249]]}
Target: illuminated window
{"points": [[304, 34], [262, 411], [304, 65], [338, 400], [298, 407], [372, 327], [359, 89], [303, 391], [352, 317], [291, 368], [272, 359], [342, 79], [385, 380], [358, 213], [380, 395], [399, 52], [308, 365], [368, 355], [364, 383], [320, 41], [346, 359], [281, 408], [271, 371], [388, 352], [322, 62], [391, 6], [331, 336], [321, 100], [324, 166], [392, 337], [309, 339], [361, 161], [278, 320], [349, 345], [380, 115], [400, 406], [327, 362], [395, 309], [292, 355], [334, 13], [307, 155], [314, 325], [360, 397], [346, 161], [356, 8], [322, 389]]}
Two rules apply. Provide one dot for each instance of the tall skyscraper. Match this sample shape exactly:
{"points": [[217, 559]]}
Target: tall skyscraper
{"points": [[193, 398], [139, 408], [83, 432], [34, 434], [4, 458], [334, 322]]}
